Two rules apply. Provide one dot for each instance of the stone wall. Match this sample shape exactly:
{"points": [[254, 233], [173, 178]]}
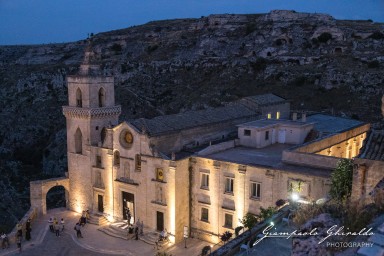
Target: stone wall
{"points": [[366, 175], [32, 213]]}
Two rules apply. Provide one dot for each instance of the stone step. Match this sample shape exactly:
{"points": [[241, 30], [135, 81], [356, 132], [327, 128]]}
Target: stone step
{"points": [[115, 232], [150, 238], [98, 219]]}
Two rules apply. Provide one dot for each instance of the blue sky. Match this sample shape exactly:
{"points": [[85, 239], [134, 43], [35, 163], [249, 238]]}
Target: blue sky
{"points": [[57, 21]]}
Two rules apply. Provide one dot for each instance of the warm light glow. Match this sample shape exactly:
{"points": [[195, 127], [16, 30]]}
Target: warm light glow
{"points": [[295, 196], [172, 211], [110, 218], [269, 116], [277, 115]]}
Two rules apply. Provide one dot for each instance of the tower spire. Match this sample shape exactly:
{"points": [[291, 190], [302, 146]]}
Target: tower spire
{"points": [[90, 65]]}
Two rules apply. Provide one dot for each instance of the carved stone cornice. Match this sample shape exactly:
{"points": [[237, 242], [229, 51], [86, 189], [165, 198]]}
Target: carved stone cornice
{"points": [[88, 113]]}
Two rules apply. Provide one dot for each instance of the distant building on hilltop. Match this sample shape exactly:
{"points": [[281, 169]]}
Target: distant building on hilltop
{"points": [[200, 169]]}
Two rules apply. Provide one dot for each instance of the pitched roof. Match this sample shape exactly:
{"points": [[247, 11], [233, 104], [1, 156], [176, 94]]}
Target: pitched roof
{"points": [[173, 123], [373, 147]]}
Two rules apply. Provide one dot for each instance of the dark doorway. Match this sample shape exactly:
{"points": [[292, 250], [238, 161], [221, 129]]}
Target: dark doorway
{"points": [[129, 203], [100, 204], [160, 221], [56, 197]]}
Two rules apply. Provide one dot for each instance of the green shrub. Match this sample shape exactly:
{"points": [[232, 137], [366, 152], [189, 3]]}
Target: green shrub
{"points": [[226, 236], [237, 230], [341, 179], [266, 213], [249, 221]]}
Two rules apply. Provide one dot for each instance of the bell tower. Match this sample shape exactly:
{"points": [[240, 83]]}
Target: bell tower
{"points": [[91, 108]]}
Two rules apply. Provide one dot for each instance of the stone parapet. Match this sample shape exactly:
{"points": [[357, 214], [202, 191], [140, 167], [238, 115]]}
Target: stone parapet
{"points": [[88, 113]]}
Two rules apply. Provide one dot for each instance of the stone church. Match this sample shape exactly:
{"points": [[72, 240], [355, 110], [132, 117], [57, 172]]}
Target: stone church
{"points": [[199, 171]]}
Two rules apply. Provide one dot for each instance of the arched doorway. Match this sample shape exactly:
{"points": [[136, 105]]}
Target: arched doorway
{"points": [[40, 188], [55, 197]]}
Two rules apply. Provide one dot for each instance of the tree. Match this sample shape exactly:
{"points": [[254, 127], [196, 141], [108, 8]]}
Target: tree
{"points": [[341, 179], [249, 221]]}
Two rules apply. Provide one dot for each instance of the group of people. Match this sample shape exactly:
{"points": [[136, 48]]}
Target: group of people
{"points": [[19, 235], [55, 226], [81, 223], [137, 228]]}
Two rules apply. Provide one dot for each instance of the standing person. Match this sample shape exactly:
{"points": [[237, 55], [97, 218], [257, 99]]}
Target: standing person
{"points": [[18, 241], [57, 228], [87, 215], [136, 233], [128, 212], [5, 240], [28, 230], [142, 228], [84, 218], [50, 221], [19, 230], [62, 224], [78, 231]]}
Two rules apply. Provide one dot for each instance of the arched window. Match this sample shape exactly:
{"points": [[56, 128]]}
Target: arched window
{"points": [[101, 97], [78, 142], [103, 134], [79, 99], [116, 158]]}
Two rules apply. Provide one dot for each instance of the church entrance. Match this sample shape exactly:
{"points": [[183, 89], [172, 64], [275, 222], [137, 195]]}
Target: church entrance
{"points": [[160, 221], [128, 204], [100, 204]]}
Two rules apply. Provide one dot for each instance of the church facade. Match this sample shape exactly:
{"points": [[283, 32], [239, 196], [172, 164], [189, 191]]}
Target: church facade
{"points": [[199, 171]]}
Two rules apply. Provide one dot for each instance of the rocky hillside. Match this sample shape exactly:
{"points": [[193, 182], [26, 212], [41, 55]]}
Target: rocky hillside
{"points": [[169, 66]]}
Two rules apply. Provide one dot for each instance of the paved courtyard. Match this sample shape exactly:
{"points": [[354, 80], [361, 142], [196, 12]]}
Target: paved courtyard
{"points": [[94, 242]]}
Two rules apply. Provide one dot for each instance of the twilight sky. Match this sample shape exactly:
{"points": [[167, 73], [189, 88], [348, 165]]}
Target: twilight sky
{"points": [[57, 21]]}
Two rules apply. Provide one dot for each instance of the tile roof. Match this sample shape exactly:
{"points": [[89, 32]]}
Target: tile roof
{"points": [[173, 123], [246, 107], [373, 147]]}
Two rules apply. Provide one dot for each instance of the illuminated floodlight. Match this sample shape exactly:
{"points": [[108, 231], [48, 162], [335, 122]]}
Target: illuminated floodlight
{"points": [[272, 224], [295, 197]]}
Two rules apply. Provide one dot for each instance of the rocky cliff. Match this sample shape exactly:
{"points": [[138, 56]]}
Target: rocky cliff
{"points": [[162, 67]]}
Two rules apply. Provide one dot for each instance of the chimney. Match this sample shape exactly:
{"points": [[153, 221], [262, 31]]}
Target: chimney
{"points": [[294, 116], [304, 117]]}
